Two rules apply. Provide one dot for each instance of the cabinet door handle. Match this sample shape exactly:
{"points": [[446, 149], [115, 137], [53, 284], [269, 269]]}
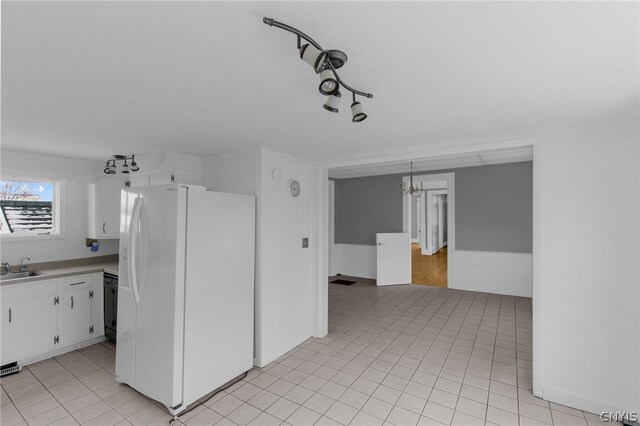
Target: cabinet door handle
{"points": [[104, 224], [78, 283], [9, 314], [71, 302]]}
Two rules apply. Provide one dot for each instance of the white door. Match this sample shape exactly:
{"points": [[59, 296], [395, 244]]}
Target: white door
{"points": [[158, 279], [126, 333], [77, 318], [107, 207], [420, 219], [435, 224], [7, 339], [441, 199], [32, 326], [433, 221], [393, 258]]}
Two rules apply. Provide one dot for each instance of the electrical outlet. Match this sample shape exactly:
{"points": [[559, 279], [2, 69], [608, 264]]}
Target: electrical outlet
{"points": [[305, 242]]}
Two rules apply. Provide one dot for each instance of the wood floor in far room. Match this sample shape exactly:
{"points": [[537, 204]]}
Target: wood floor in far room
{"points": [[428, 270]]}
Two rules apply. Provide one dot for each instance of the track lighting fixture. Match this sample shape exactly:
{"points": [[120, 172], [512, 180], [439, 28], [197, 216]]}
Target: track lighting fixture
{"points": [[111, 167], [356, 111], [332, 102], [325, 63], [313, 57], [328, 82]]}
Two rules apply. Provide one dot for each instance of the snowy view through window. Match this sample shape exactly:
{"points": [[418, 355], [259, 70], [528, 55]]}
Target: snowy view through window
{"points": [[27, 207]]}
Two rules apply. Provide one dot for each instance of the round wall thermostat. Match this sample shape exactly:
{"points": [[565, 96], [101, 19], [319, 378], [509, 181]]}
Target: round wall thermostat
{"points": [[293, 187], [276, 174]]}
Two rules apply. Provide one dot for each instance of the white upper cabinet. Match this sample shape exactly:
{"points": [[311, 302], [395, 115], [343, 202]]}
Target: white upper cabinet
{"points": [[104, 208], [137, 181], [176, 176]]}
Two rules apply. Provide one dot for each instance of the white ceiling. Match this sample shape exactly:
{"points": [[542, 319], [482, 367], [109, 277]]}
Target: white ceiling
{"points": [[507, 155], [89, 79]]}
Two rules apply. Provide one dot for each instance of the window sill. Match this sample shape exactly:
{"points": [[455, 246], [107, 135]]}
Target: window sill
{"points": [[11, 238]]}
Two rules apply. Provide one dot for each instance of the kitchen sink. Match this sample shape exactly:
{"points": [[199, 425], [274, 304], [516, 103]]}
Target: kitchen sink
{"points": [[16, 275]]}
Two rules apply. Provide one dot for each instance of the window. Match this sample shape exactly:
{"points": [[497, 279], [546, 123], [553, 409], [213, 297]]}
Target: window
{"points": [[28, 208]]}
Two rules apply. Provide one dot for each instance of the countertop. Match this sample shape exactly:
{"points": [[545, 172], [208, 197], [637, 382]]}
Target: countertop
{"points": [[65, 271]]}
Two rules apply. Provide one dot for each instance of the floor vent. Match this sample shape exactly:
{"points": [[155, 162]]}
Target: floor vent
{"points": [[7, 369], [343, 282]]}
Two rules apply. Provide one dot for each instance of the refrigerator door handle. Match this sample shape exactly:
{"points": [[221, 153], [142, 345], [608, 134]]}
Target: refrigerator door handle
{"points": [[133, 237]]}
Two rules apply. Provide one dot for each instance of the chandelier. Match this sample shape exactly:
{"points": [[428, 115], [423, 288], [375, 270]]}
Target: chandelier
{"points": [[111, 168], [325, 63], [411, 190]]}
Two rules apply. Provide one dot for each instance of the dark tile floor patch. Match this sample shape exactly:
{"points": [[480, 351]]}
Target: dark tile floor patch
{"points": [[343, 282]]}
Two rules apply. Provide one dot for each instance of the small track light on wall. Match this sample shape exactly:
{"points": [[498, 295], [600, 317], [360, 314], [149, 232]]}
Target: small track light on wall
{"points": [[111, 167], [325, 63]]}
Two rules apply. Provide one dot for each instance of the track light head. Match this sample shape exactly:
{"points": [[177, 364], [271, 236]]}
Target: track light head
{"points": [[357, 112], [328, 82], [313, 57], [332, 102], [134, 166]]}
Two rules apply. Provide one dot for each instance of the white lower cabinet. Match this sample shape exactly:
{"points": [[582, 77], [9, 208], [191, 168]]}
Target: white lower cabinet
{"points": [[49, 315], [77, 302], [32, 327]]}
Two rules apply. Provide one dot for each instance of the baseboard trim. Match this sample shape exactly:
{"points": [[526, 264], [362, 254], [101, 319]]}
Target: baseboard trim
{"points": [[269, 357], [582, 402], [60, 351]]}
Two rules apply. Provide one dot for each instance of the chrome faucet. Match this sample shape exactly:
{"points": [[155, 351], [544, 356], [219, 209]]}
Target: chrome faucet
{"points": [[23, 267], [6, 266]]}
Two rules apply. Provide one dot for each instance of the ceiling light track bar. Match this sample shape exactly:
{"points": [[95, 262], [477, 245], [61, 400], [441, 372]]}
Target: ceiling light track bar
{"points": [[273, 23], [352, 90]]}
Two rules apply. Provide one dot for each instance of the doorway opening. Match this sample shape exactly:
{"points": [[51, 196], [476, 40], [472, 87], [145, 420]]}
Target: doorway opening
{"points": [[429, 247], [496, 271], [428, 220]]}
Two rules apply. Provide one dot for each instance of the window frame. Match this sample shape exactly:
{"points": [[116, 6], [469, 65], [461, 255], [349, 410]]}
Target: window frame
{"points": [[57, 230]]}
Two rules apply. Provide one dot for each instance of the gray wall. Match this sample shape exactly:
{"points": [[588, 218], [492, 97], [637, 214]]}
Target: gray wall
{"points": [[365, 206], [493, 207]]}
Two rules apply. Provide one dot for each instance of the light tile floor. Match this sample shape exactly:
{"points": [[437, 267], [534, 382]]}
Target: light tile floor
{"points": [[400, 355]]}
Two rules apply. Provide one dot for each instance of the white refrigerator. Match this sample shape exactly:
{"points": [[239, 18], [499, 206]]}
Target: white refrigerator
{"points": [[185, 291]]}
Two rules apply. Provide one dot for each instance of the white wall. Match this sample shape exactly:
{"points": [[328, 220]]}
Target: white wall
{"points": [[234, 172], [284, 270], [356, 260], [74, 175], [587, 268], [491, 272], [285, 281]]}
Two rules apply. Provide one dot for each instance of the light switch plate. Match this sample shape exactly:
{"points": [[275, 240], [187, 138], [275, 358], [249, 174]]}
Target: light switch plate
{"points": [[305, 242]]}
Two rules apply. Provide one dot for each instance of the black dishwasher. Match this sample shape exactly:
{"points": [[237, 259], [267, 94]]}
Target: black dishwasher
{"points": [[110, 306]]}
